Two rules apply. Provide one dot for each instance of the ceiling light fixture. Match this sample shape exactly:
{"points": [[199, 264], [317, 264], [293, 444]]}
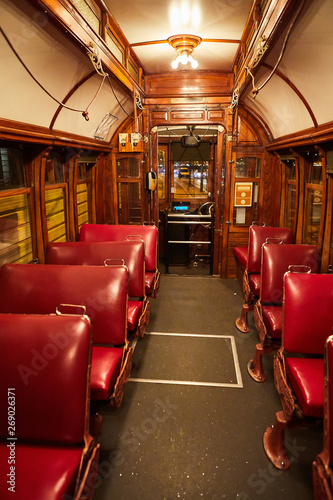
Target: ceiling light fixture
{"points": [[184, 45]]}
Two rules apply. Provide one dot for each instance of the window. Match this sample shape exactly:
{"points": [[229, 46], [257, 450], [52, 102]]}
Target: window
{"points": [[54, 169], [84, 190], [114, 46], [162, 168], [130, 189], [129, 203], [290, 193], [55, 207], [15, 217], [11, 168], [15, 231], [313, 200], [133, 71], [190, 179], [128, 167], [90, 12], [247, 167]]}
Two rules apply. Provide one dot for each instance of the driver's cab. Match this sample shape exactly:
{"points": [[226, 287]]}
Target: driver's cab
{"points": [[186, 198]]}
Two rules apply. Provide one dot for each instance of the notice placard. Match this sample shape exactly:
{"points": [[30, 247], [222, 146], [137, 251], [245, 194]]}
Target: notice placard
{"points": [[243, 194]]}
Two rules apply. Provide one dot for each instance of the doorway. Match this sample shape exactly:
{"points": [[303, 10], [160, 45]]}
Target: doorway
{"points": [[186, 198]]}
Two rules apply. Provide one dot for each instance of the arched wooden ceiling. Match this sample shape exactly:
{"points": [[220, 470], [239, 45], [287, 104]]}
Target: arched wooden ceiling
{"points": [[296, 98]]}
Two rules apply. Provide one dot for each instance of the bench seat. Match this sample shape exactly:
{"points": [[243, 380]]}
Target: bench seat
{"points": [[105, 368], [241, 255], [254, 281], [43, 473], [121, 232], [258, 235], [322, 471], [272, 316], [299, 364], [108, 253], [45, 364], [276, 259], [103, 291], [307, 379]]}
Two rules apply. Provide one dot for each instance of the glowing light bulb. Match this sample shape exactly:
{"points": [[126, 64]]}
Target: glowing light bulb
{"points": [[193, 62], [183, 57], [175, 63]]}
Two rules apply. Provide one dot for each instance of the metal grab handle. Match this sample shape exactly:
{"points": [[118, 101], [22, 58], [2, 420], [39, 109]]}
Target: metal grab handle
{"points": [[299, 268], [276, 241], [76, 306], [254, 223], [113, 260], [134, 237]]}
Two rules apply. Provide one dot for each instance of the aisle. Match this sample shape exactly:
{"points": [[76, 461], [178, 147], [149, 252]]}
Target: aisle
{"points": [[192, 420]]}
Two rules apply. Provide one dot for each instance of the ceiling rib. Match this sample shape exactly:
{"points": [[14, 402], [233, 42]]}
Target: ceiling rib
{"points": [[297, 92]]}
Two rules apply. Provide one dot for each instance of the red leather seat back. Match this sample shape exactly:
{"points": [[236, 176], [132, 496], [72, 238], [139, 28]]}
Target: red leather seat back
{"points": [[39, 289], [95, 253], [257, 237], [328, 421], [45, 361], [119, 232], [241, 255], [308, 312], [275, 262]]}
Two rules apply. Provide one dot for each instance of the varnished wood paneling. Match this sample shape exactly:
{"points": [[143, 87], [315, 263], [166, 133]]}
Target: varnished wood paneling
{"points": [[235, 240], [186, 115], [213, 115], [271, 190], [188, 83]]}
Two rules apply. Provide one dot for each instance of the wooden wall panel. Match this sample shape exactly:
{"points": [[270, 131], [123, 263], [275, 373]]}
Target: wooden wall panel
{"points": [[235, 240], [188, 83]]}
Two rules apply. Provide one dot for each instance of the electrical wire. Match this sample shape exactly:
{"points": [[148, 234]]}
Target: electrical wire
{"points": [[84, 112], [115, 95], [171, 132], [255, 89]]}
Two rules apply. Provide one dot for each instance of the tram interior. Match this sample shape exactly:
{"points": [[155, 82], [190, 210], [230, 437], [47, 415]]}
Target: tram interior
{"points": [[158, 161]]}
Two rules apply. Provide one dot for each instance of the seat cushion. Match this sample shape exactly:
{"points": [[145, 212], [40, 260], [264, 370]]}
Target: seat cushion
{"points": [[272, 316], [306, 376], [149, 282], [42, 472], [254, 282], [105, 368], [241, 255], [133, 314]]}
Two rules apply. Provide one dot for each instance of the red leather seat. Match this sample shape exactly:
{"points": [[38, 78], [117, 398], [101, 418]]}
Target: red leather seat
{"points": [[120, 232], [322, 465], [272, 316], [105, 368], [306, 377], [240, 254], [40, 289], [275, 261], [132, 253], [254, 282], [258, 235], [52, 451], [307, 323]]}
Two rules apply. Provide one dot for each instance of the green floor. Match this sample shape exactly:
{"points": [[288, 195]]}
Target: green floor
{"points": [[191, 422]]}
